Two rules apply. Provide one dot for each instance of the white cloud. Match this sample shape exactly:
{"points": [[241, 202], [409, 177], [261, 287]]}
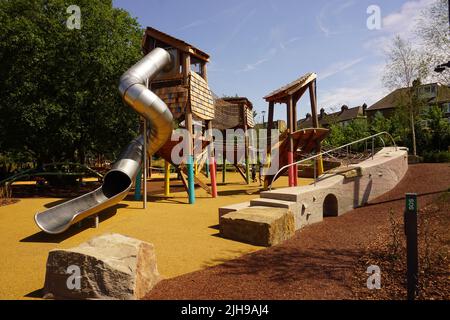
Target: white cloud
{"points": [[337, 68], [402, 22], [252, 66], [366, 88], [328, 13]]}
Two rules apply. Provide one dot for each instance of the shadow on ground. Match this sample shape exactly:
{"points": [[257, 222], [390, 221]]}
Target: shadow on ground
{"points": [[42, 237]]}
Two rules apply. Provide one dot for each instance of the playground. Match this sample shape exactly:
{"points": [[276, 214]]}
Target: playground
{"points": [[180, 250]]}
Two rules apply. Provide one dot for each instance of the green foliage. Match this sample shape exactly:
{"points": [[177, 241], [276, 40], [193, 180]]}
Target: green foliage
{"points": [[336, 137], [434, 157], [341, 134], [438, 129], [380, 123], [59, 98]]}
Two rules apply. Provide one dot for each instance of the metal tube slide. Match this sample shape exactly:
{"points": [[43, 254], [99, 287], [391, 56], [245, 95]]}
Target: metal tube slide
{"points": [[118, 181]]}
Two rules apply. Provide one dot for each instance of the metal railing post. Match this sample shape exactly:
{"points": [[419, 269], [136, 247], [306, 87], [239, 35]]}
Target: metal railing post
{"points": [[333, 150], [373, 146]]}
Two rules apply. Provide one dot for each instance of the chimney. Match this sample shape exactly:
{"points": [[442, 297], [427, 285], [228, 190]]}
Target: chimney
{"points": [[344, 107], [322, 113], [364, 107]]}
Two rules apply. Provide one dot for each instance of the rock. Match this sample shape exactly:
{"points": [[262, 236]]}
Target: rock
{"points": [[111, 266], [262, 226]]}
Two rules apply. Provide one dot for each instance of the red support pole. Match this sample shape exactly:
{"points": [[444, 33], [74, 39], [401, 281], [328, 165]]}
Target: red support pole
{"points": [[291, 168], [295, 175], [212, 174]]}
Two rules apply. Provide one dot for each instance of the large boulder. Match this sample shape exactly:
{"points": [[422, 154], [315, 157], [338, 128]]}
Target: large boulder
{"points": [[111, 266], [262, 226]]}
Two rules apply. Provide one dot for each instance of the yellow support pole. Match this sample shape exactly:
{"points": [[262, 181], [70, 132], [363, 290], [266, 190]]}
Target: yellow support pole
{"points": [[319, 165], [196, 168], [166, 178]]}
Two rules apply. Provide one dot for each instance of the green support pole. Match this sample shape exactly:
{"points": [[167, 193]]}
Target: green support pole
{"points": [[207, 168], [191, 183], [137, 186]]}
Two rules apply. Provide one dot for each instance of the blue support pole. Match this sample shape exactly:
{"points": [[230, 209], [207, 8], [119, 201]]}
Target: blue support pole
{"points": [[191, 183], [137, 186]]}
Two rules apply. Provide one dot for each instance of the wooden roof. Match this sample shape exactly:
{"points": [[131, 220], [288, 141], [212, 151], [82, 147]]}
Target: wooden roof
{"points": [[239, 100], [172, 41], [280, 94], [202, 101]]}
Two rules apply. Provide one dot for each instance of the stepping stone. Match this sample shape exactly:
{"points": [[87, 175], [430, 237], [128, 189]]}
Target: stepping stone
{"points": [[261, 226], [285, 194], [274, 203], [233, 207]]}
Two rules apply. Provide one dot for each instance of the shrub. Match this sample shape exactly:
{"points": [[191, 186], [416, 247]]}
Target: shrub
{"points": [[436, 156]]}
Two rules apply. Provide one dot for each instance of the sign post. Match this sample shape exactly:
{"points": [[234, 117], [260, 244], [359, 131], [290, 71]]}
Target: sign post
{"points": [[410, 221]]}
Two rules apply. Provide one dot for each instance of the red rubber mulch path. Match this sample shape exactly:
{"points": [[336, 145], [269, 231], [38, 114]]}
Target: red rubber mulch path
{"points": [[318, 262]]}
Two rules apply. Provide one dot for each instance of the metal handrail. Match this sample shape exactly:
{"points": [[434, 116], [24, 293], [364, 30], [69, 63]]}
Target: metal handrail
{"points": [[335, 149]]}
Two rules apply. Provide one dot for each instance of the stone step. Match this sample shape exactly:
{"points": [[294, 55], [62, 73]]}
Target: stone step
{"points": [[233, 207], [274, 203], [261, 226], [291, 194]]}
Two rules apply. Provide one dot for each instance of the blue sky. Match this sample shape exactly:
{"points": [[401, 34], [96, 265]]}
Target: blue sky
{"points": [[256, 46]]}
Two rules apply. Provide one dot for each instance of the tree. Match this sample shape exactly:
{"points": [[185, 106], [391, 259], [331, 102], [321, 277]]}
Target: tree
{"points": [[336, 137], [439, 129], [379, 123], [434, 32], [59, 97], [404, 69]]}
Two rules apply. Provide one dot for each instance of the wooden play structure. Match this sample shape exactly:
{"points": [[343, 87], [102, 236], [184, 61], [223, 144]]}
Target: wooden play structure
{"points": [[184, 89], [293, 143], [234, 113]]}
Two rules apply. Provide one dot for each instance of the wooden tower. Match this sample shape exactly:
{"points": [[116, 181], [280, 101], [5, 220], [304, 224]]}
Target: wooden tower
{"points": [[184, 88]]}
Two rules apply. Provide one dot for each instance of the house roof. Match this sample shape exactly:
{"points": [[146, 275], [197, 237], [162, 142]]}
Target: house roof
{"points": [[344, 114], [172, 41], [389, 101], [290, 88]]}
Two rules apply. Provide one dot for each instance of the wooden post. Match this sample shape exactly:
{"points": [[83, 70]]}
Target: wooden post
{"points": [[204, 71], [410, 222], [312, 98], [315, 121], [224, 152], [294, 129], [268, 142], [212, 163], [290, 154], [246, 144], [269, 129], [189, 126]]}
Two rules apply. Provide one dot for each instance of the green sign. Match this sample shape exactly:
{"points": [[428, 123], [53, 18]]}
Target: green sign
{"points": [[411, 202]]}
